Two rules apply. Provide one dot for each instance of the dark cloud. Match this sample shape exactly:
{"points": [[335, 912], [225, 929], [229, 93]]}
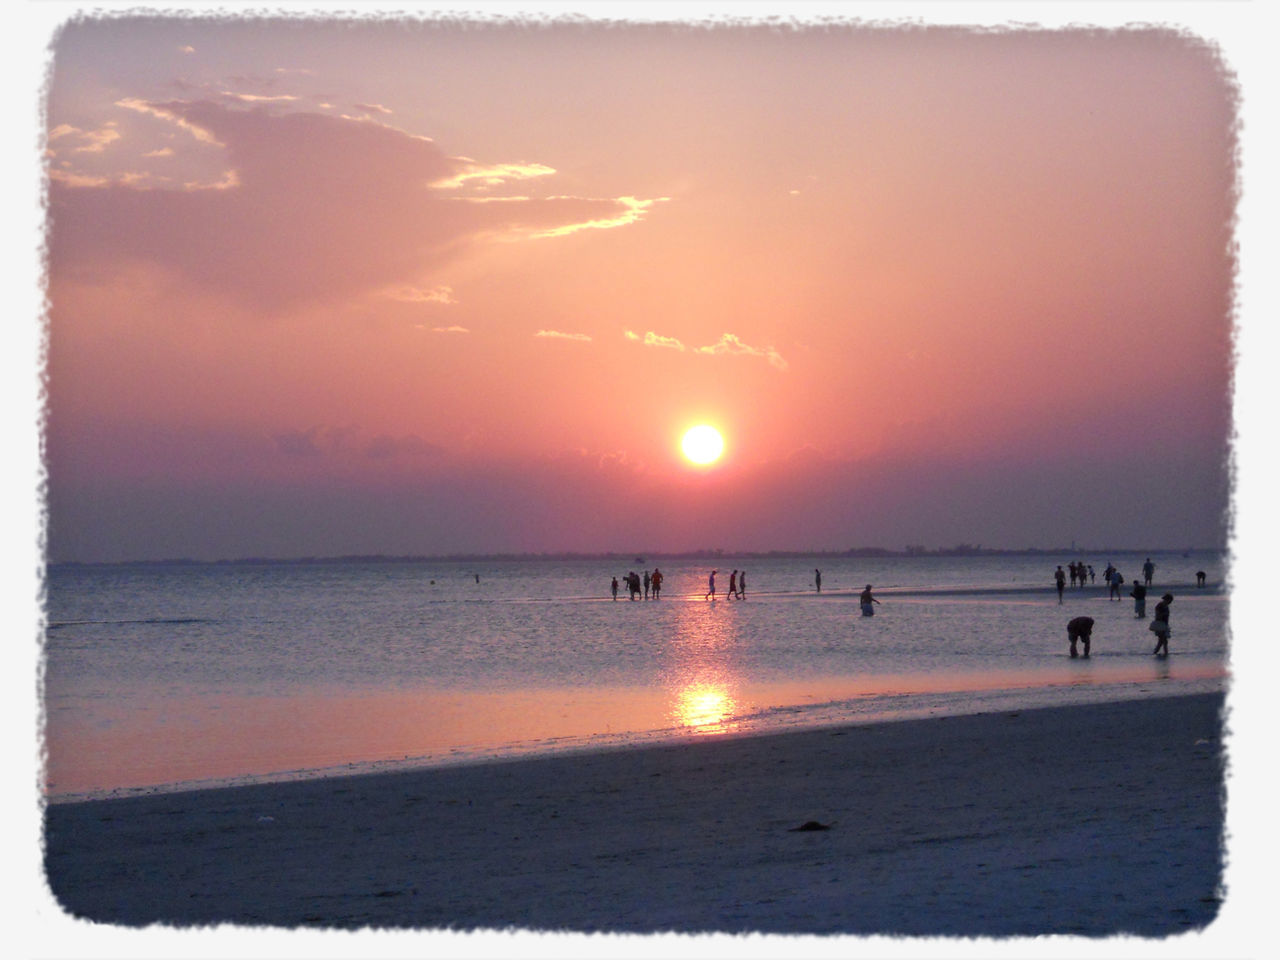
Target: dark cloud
{"points": [[384, 447]]}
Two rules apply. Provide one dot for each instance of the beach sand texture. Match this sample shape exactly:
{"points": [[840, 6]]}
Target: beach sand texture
{"points": [[1092, 820]]}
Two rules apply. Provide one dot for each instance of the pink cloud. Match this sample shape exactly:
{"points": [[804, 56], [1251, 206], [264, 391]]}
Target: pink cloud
{"points": [[651, 339], [730, 345], [311, 208]]}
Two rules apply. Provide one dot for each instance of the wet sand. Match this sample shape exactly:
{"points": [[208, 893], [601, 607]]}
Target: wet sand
{"points": [[1095, 820]]}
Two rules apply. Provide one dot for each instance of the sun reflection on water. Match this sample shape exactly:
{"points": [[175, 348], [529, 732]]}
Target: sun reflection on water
{"points": [[700, 670], [704, 708]]}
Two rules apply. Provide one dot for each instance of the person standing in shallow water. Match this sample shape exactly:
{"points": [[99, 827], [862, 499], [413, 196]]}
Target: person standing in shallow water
{"points": [[711, 587], [817, 579], [614, 588], [1139, 594], [866, 601], [733, 585], [742, 584], [1160, 625], [646, 584], [1200, 578], [1060, 579], [1148, 569], [656, 583], [1113, 592]]}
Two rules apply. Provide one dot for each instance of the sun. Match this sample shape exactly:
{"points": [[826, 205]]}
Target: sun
{"points": [[702, 444]]}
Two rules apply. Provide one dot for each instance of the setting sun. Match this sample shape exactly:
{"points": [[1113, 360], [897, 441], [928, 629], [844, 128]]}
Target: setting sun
{"points": [[702, 444]]}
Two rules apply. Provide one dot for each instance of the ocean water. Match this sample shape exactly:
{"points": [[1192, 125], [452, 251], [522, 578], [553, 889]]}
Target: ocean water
{"points": [[179, 675]]}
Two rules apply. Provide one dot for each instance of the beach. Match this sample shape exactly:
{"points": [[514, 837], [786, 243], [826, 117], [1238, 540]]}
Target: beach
{"points": [[1092, 820]]}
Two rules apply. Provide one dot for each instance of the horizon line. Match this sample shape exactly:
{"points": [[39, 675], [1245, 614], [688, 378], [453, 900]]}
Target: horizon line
{"points": [[640, 555]]}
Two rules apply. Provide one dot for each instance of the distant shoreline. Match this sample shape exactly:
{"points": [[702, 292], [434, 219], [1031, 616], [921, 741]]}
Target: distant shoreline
{"points": [[640, 555]]}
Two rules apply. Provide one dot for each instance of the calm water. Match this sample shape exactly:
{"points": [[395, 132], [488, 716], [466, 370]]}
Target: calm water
{"points": [[178, 674]]}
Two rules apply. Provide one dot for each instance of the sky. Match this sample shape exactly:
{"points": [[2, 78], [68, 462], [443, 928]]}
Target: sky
{"points": [[325, 287]]}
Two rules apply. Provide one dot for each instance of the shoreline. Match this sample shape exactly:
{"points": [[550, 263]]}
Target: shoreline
{"points": [[850, 707], [1092, 820]]}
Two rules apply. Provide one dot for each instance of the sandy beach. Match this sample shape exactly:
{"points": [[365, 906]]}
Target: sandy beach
{"points": [[1078, 820]]}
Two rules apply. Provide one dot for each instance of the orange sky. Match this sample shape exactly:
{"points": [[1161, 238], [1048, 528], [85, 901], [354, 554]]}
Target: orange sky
{"points": [[323, 288]]}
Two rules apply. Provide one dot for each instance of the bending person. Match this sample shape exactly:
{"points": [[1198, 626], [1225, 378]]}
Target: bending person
{"points": [[1079, 629]]}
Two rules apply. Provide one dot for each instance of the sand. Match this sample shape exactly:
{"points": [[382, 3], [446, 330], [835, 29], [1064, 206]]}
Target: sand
{"points": [[1093, 820]]}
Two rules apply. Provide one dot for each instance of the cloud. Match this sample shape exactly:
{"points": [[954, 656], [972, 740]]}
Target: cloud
{"points": [[348, 443], [453, 329], [162, 152], [91, 141], [170, 113], [384, 447], [651, 339], [494, 174], [299, 443], [727, 345], [77, 180], [557, 335], [406, 293], [257, 97], [373, 108], [310, 207], [187, 49], [730, 345], [228, 181], [633, 211]]}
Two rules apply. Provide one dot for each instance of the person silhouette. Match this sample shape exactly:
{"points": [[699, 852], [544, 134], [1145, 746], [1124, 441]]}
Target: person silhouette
{"points": [[711, 587], [742, 584], [866, 600], [1113, 592], [1060, 579], [817, 579], [646, 584], [614, 588], [1079, 629], [1148, 569], [656, 582], [1139, 594], [1160, 625], [1200, 578], [733, 585]]}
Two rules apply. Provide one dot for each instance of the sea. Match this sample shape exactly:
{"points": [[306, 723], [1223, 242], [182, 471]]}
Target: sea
{"points": [[171, 676]]}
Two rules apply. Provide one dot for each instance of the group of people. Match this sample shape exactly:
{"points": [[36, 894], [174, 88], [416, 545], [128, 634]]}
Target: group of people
{"points": [[1080, 573], [737, 585], [636, 583], [1080, 629]]}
